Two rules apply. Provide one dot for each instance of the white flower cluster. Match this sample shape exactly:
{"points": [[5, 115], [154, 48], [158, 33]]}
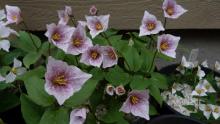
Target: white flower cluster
{"points": [[177, 102]]}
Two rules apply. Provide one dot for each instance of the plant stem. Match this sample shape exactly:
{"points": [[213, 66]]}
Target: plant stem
{"points": [[72, 19], [154, 57], [49, 51], [105, 36], [165, 22], [26, 27]]}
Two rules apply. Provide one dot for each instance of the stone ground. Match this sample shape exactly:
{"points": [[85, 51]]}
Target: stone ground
{"points": [[207, 41]]}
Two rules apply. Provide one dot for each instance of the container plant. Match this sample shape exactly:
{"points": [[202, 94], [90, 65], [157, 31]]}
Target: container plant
{"points": [[84, 72]]}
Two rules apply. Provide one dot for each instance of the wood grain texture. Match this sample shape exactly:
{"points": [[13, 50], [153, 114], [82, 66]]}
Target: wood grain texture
{"points": [[125, 14]]}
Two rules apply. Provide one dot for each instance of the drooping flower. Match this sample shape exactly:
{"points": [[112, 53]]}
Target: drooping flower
{"points": [[2, 14], [137, 104], [200, 73], [172, 9], [59, 35], [110, 89], [167, 44], [78, 116], [97, 24], [215, 111], [217, 66], [92, 56], [205, 64], [79, 42], [64, 15], [15, 71], [93, 10], [62, 80], [200, 90], [207, 86], [207, 110], [13, 14], [110, 57], [150, 25], [2, 78], [120, 90]]}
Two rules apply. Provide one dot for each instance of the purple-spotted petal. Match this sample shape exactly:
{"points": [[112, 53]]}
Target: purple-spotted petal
{"points": [[13, 14], [78, 116], [110, 57], [62, 80]]}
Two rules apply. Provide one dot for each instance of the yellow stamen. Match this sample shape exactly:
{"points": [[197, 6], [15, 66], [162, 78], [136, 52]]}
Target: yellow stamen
{"points": [[14, 70], [98, 26], [14, 17], [164, 45], [56, 36], [199, 91], [216, 110], [134, 100], [77, 42], [151, 26], [208, 109], [207, 86], [94, 54], [60, 80], [170, 11]]}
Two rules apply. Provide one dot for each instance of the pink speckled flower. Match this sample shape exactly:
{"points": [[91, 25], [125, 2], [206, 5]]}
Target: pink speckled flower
{"points": [[120, 90], [78, 116], [80, 42], [64, 15], [93, 10], [137, 104], [97, 24], [150, 25], [110, 57], [59, 35], [172, 9], [13, 14], [93, 56], [110, 89], [167, 44], [62, 80]]}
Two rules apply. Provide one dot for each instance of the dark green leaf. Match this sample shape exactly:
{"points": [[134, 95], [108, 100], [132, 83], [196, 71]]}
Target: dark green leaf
{"points": [[153, 110], [8, 101], [139, 82], [31, 112], [155, 92], [37, 72], [97, 73], [159, 80], [30, 58]]}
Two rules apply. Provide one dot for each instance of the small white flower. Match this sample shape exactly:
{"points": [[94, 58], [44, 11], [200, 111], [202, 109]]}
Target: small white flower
{"points": [[217, 66], [120, 90], [176, 87], [200, 73], [16, 70], [208, 86], [218, 81], [207, 110], [110, 90], [205, 64], [186, 63], [215, 111], [2, 78], [180, 69], [200, 90]]}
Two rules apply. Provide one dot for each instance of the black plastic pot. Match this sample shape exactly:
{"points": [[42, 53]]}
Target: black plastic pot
{"points": [[174, 119]]}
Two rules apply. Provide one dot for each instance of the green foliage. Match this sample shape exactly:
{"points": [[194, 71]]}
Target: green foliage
{"points": [[83, 95], [37, 72], [55, 116], [139, 82], [116, 76], [30, 58], [36, 92], [155, 92], [31, 112], [8, 101]]}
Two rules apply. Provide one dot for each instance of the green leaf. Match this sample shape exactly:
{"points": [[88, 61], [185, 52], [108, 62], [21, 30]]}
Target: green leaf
{"points": [[25, 42], [155, 92], [132, 58], [100, 40], [153, 110], [8, 58], [4, 85], [139, 82], [53, 116], [83, 95], [31, 112], [36, 91], [147, 57], [97, 73], [44, 48], [116, 76], [8, 101], [30, 58], [167, 58], [58, 54], [90, 119], [159, 80], [37, 72], [122, 121]]}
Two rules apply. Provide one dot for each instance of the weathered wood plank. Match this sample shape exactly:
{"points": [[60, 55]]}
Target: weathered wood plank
{"points": [[125, 14]]}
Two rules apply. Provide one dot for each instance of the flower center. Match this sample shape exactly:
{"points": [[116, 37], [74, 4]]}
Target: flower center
{"points": [[14, 17], [207, 86], [199, 91], [77, 42], [208, 109], [151, 26], [98, 26], [134, 100], [216, 110], [111, 54], [14, 70], [94, 54], [56, 36], [121, 90], [164, 45], [60, 80], [170, 11]]}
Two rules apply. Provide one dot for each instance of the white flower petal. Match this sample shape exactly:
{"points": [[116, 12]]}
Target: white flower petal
{"points": [[5, 45], [10, 77]]}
